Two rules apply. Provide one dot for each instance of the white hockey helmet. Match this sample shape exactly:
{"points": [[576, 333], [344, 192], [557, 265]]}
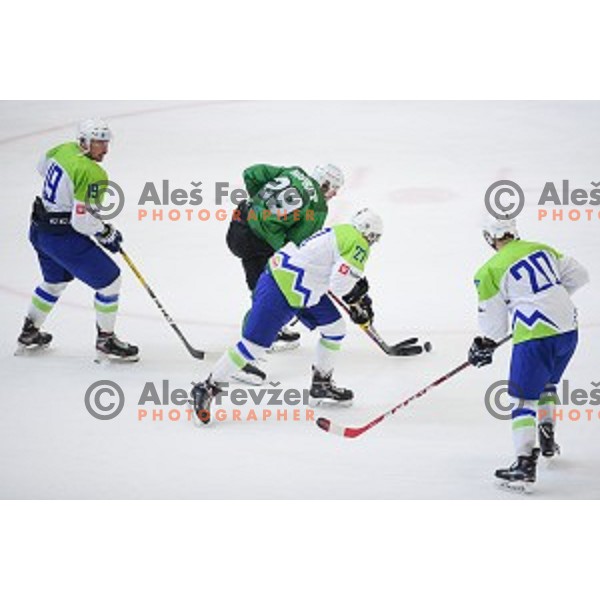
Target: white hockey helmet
{"points": [[369, 224], [330, 174], [93, 129], [495, 229]]}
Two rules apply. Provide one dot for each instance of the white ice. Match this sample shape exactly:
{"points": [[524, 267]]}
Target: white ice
{"points": [[425, 167]]}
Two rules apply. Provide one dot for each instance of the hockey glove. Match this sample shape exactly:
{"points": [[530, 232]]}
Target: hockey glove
{"points": [[357, 292], [110, 238], [481, 351], [362, 312]]}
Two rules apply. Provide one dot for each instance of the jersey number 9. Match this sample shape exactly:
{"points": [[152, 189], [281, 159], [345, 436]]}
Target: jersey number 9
{"points": [[53, 176]]}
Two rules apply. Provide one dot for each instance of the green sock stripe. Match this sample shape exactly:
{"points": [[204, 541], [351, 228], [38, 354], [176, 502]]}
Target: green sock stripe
{"points": [[549, 399], [524, 422], [106, 308], [236, 358], [45, 307], [330, 345]]}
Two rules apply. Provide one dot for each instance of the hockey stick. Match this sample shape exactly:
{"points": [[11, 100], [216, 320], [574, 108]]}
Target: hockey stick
{"points": [[408, 347], [352, 432], [199, 354]]}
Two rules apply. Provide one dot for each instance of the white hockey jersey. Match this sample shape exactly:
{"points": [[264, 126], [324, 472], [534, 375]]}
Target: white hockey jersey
{"points": [[528, 285], [332, 259]]}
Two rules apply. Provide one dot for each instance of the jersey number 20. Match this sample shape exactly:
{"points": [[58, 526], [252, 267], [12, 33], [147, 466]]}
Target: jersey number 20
{"points": [[539, 269]]}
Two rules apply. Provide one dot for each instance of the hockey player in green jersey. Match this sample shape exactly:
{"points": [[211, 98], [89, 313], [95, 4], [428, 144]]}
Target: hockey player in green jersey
{"points": [[62, 232], [286, 205], [296, 283], [529, 286]]}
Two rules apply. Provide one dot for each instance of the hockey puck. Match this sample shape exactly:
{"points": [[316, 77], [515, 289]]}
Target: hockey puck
{"points": [[427, 346]]}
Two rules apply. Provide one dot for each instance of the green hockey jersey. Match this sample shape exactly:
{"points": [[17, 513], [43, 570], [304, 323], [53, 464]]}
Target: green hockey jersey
{"points": [[70, 182], [286, 204]]}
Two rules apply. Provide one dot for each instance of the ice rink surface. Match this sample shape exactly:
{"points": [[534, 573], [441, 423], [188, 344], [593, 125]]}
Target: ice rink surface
{"points": [[425, 167]]}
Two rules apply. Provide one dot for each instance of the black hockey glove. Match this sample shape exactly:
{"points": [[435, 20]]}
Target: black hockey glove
{"points": [[481, 351], [110, 238], [357, 292], [362, 311]]}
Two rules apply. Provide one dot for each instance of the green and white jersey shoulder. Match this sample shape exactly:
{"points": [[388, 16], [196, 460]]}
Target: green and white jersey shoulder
{"points": [[71, 178], [527, 285], [333, 259]]}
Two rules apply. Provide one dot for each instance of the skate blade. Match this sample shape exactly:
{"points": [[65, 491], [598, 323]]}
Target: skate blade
{"points": [[517, 487], [551, 457], [329, 403], [23, 350], [283, 347], [102, 358], [248, 379]]}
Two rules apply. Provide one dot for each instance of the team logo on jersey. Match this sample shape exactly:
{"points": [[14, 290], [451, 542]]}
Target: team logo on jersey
{"points": [[344, 269], [276, 261]]}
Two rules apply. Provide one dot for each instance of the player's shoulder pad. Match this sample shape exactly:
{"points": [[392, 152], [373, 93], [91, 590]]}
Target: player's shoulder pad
{"points": [[55, 150], [351, 245], [95, 172], [485, 283], [540, 246], [487, 280]]}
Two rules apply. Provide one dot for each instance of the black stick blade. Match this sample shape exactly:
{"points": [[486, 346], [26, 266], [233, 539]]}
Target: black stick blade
{"points": [[198, 354], [399, 350], [410, 347], [408, 342], [323, 423]]}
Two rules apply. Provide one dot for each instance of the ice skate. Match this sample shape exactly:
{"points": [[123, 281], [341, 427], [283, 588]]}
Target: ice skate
{"points": [[31, 338], [287, 339], [548, 447], [110, 347], [202, 396], [323, 388], [521, 475], [250, 374]]}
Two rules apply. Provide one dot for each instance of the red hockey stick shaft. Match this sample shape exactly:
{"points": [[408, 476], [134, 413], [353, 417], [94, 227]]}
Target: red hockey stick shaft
{"points": [[352, 432]]}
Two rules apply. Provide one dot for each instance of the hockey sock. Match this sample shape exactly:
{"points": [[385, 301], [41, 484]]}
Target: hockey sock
{"points": [[524, 426], [106, 302], [235, 358], [45, 296], [329, 345], [547, 405]]}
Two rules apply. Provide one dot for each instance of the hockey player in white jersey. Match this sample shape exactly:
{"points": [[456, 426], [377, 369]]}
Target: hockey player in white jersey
{"points": [[295, 283], [528, 285], [62, 232]]}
